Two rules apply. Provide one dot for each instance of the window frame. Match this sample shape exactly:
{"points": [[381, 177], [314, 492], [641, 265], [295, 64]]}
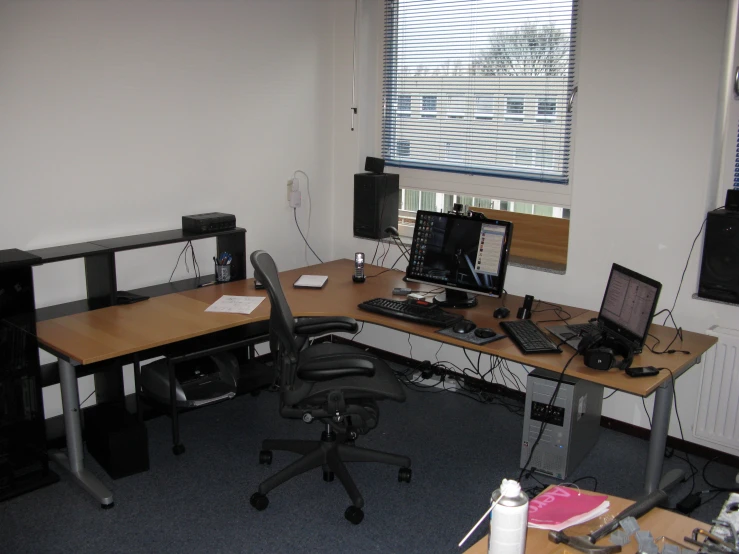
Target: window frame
{"points": [[500, 184]]}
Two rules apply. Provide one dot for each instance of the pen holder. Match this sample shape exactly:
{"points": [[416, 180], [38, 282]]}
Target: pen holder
{"points": [[223, 273]]}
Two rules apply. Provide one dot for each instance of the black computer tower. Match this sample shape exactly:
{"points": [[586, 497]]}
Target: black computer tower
{"points": [[719, 278], [376, 201]]}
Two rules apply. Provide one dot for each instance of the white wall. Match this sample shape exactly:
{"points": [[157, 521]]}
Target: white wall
{"points": [[119, 117], [649, 76]]}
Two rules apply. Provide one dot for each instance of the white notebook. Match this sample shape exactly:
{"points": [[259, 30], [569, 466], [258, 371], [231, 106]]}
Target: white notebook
{"points": [[311, 281]]}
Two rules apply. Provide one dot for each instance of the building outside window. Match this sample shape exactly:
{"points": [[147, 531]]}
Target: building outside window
{"points": [[514, 109], [546, 111], [455, 107], [428, 107], [404, 148], [484, 107]]}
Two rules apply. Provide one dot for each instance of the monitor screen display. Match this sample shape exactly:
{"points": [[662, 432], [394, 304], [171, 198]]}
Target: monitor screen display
{"points": [[460, 253]]}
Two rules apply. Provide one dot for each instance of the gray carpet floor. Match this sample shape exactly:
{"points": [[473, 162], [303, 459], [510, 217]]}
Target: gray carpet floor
{"points": [[199, 501]]}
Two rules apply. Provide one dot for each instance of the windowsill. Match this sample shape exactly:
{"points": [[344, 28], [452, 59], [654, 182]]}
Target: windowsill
{"points": [[725, 303], [515, 261]]}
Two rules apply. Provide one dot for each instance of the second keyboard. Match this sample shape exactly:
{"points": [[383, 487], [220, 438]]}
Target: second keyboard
{"points": [[417, 313]]}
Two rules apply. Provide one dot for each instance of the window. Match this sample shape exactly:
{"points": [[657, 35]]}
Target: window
{"points": [[514, 109], [547, 108], [428, 106], [404, 105], [518, 54], [455, 107], [484, 107]]}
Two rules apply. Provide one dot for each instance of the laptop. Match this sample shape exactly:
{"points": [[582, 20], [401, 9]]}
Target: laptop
{"points": [[626, 312]]}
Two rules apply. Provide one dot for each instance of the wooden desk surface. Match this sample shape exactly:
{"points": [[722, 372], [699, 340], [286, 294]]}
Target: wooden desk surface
{"points": [[119, 330], [662, 523]]}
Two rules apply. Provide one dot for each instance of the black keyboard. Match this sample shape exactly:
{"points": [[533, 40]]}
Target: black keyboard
{"points": [[529, 337], [417, 313]]}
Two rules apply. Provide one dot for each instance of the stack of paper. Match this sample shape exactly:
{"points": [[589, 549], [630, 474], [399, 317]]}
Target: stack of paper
{"points": [[562, 507], [235, 304]]}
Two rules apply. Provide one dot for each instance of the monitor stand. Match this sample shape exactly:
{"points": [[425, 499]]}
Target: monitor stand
{"points": [[455, 299]]}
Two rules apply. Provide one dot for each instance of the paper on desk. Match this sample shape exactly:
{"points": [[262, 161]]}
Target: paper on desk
{"points": [[235, 304], [562, 507]]}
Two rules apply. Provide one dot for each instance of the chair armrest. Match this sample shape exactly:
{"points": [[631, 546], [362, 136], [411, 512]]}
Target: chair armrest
{"points": [[311, 326], [335, 367]]}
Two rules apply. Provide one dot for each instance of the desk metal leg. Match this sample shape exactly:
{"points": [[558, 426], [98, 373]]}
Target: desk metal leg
{"points": [[658, 439], [177, 447], [73, 461]]}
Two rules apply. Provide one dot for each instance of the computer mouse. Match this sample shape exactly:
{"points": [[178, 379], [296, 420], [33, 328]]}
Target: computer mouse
{"points": [[464, 326], [501, 312], [484, 333]]}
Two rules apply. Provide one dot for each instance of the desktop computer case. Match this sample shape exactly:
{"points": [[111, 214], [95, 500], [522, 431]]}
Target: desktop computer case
{"points": [[573, 427], [376, 201]]}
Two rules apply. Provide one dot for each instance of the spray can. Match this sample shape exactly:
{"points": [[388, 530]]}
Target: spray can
{"points": [[508, 519]]}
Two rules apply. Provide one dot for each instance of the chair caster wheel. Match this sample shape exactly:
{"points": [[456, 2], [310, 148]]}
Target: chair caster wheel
{"points": [[404, 475], [178, 449], [265, 457], [107, 506], [259, 501], [328, 476], [354, 515]]}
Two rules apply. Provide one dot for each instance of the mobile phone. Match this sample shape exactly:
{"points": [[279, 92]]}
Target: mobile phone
{"points": [[648, 371], [358, 276]]}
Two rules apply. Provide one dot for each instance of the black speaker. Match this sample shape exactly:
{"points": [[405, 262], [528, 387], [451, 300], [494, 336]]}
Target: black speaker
{"points": [[374, 165], [719, 279], [376, 199], [732, 200]]}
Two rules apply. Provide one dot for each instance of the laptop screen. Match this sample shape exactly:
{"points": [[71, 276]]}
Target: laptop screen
{"points": [[629, 304]]}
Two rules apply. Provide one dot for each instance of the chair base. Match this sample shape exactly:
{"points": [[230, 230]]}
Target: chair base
{"points": [[330, 453]]}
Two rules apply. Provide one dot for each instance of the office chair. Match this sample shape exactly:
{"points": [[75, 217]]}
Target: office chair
{"points": [[337, 384]]}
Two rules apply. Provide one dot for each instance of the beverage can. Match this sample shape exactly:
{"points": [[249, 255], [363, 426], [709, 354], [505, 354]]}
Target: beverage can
{"points": [[508, 519]]}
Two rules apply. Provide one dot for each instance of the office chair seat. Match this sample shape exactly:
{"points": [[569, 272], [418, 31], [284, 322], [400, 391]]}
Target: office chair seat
{"points": [[336, 384]]}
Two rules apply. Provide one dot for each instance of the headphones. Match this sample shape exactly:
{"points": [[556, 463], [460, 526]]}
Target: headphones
{"points": [[600, 351]]}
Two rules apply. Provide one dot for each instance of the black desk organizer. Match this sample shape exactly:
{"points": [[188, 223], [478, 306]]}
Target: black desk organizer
{"points": [[110, 430], [24, 464]]}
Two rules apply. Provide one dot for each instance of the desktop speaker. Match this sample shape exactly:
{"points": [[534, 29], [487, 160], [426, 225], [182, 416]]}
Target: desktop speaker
{"points": [[719, 277], [374, 165], [376, 199]]}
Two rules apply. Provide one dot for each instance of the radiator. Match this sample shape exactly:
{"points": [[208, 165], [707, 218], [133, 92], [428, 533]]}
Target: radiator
{"points": [[717, 417]]}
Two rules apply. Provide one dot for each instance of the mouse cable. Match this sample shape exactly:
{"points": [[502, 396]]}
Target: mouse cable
{"points": [[543, 424], [557, 309], [295, 213]]}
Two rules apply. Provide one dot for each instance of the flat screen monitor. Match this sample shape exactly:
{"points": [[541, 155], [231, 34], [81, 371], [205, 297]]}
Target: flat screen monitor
{"points": [[465, 255]]}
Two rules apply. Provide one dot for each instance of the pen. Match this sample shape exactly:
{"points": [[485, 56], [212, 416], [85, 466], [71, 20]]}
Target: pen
{"points": [[207, 284]]}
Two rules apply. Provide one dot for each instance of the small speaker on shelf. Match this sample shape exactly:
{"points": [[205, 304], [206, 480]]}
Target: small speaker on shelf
{"points": [[374, 165], [732, 200]]}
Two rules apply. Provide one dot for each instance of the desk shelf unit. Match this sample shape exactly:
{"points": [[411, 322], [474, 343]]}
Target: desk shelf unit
{"points": [[102, 291]]}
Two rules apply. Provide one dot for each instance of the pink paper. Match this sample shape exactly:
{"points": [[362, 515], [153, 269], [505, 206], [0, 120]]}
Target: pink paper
{"points": [[560, 504]]}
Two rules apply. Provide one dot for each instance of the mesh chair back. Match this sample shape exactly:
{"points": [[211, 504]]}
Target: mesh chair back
{"points": [[281, 320]]}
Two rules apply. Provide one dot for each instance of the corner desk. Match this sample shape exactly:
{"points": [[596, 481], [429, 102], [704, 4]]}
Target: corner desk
{"points": [[119, 331]]}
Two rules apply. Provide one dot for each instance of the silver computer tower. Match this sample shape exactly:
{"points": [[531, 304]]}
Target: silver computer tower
{"points": [[573, 426]]}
